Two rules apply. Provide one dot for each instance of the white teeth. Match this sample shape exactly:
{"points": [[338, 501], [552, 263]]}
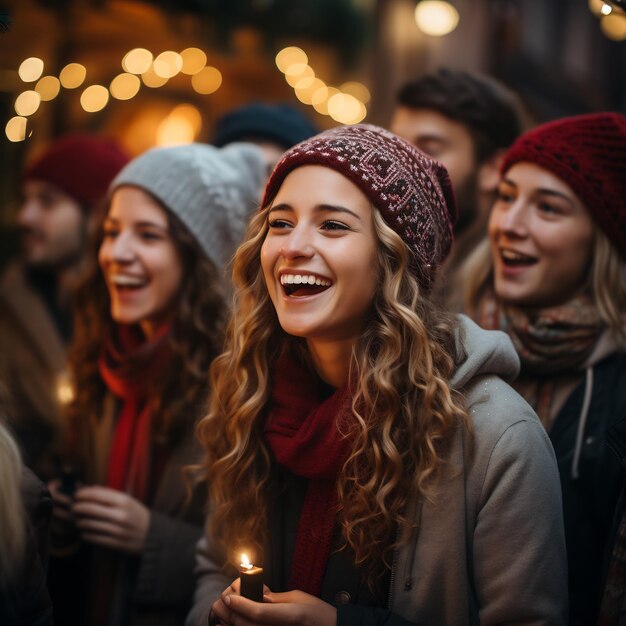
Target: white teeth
{"points": [[127, 281], [304, 279], [510, 255]]}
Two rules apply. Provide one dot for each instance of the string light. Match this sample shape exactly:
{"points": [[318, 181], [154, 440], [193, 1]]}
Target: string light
{"points": [[193, 59], [48, 88], [137, 61], [16, 129], [27, 103], [125, 86], [30, 69], [73, 75], [94, 98], [207, 80], [436, 17], [167, 64]]}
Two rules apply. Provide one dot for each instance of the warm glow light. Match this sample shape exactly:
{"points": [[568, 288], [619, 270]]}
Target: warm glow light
{"points": [[344, 108], [48, 87], [174, 131], [606, 9], [73, 75], [16, 129], [358, 90], [207, 80], [436, 17], [595, 6], [151, 79], [168, 64], [305, 91], [614, 26], [65, 393], [290, 56], [30, 69], [321, 98], [137, 61], [27, 103], [191, 114], [193, 59], [296, 72], [245, 562], [125, 86], [94, 98]]}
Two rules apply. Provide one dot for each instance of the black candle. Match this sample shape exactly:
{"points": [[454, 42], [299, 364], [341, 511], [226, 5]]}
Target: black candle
{"points": [[251, 580]]}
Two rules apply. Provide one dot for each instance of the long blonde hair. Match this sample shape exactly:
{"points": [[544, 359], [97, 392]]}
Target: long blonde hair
{"points": [[404, 410], [12, 515], [605, 281]]}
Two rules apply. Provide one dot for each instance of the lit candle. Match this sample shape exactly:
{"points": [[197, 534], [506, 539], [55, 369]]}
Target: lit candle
{"points": [[251, 580]]}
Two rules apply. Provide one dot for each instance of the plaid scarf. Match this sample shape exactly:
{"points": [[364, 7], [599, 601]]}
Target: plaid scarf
{"points": [[552, 343]]}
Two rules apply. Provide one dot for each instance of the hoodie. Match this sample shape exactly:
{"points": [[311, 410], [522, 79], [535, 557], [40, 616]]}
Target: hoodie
{"points": [[488, 547]]}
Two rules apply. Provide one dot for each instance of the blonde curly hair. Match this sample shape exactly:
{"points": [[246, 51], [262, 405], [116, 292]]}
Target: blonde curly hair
{"points": [[404, 409]]}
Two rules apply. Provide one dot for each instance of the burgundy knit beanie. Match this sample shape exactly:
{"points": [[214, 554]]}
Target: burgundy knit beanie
{"points": [[411, 190], [588, 152], [82, 166]]}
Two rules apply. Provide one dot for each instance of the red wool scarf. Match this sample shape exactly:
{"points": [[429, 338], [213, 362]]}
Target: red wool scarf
{"points": [[129, 366], [303, 432]]}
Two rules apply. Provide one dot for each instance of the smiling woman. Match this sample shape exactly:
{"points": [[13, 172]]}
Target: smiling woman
{"points": [[149, 321], [555, 281], [359, 441]]}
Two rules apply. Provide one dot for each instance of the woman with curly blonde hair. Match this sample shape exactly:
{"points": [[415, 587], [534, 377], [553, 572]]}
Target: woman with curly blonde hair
{"points": [[149, 323], [359, 443], [554, 279]]}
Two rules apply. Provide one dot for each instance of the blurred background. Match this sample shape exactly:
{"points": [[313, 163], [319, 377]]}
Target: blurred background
{"points": [[160, 72]]}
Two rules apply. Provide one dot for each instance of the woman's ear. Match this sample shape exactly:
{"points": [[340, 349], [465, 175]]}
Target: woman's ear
{"points": [[489, 172]]}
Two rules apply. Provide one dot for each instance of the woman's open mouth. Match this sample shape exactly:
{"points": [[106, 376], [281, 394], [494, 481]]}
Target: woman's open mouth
{"points": [[512, 258], [301, 285]]}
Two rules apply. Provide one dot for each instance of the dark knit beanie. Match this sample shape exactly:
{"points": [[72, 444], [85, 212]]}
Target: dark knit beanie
{"points": [[82, 166], [411, 190], [278, 123], [588, 152]]}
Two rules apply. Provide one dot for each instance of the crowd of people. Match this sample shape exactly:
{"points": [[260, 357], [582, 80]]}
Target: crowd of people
{"points": [[388, 365]]}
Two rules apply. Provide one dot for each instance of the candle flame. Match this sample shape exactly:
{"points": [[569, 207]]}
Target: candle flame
{"points": [[245, 562]]}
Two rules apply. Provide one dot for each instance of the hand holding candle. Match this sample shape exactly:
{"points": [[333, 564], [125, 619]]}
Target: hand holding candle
{"points": [[251, 580]]}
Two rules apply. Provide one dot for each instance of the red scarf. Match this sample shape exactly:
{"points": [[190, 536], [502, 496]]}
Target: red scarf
{"points": [[302, 431], [130, 366]]}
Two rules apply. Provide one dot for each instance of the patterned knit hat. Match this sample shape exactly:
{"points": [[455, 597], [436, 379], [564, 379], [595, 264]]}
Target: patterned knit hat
{"points": [[411, 190], [213, 191], [588, 152], [80, 165]]}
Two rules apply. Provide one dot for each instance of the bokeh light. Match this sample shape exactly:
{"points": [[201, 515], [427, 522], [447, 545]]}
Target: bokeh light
{"points": [[30, 69], [436, 17], [73, 75], [125, 86], [321, 98], [151, 79], [298, 71], [94, 98], [193, 59], [48, 87], [17, 129], [137, 61], [290, 56], [167, 64], [27, 103], [304, 92], [344, 108], [206, 81], [614, 26], [358, 90]]}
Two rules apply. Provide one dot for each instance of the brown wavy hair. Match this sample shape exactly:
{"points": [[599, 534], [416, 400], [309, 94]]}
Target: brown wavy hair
{"points": [[404, 409], [179, 398]]}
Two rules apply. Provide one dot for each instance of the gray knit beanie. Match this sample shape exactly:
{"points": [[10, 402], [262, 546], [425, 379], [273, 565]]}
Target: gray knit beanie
{"points": [[213, 191]]}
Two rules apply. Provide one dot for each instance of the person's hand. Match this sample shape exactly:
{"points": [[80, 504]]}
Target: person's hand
{"points": [[61, 503], [292, 608], [111, 518]]}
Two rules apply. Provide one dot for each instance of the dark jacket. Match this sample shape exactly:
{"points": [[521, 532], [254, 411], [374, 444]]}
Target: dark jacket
{"points": [[155, 587], [591, 479], [27, 602]]}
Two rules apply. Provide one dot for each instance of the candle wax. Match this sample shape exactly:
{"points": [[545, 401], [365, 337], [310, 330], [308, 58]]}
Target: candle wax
{"points": [[252, 583]]}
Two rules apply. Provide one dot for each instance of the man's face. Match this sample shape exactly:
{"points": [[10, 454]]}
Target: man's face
{"points": [[52, 226], [452, 145]]}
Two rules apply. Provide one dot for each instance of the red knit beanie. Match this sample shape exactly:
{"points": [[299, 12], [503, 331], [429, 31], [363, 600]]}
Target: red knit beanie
{"points": [[411, 190], [82, 166], [588, 152]]}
